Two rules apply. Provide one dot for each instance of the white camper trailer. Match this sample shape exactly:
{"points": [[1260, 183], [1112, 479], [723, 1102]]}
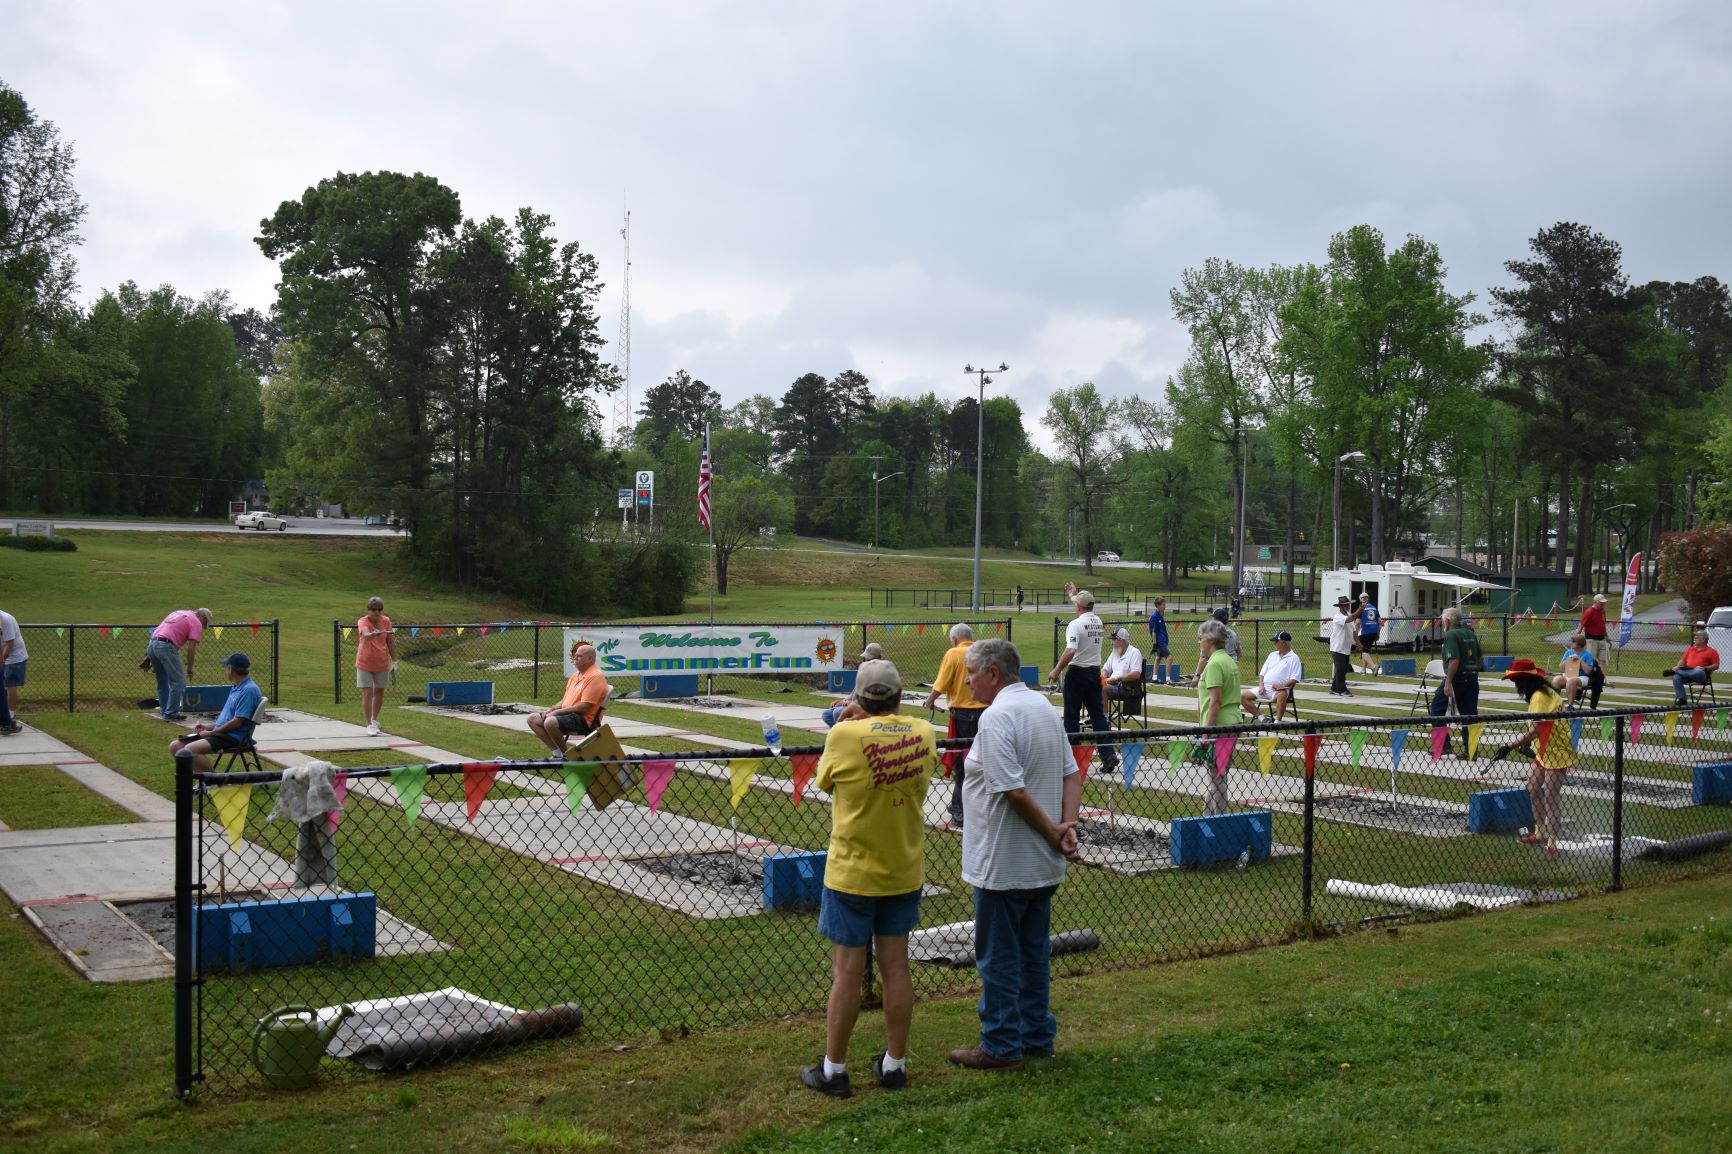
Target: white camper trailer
{"points": [[1409, 598]]}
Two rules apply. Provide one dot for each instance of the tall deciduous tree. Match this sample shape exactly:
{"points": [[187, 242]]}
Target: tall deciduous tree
{"points": [[40, 211], [1081, 422]]}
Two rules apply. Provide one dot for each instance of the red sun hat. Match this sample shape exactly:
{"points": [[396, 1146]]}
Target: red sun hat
{"points": [[1523, 667]]}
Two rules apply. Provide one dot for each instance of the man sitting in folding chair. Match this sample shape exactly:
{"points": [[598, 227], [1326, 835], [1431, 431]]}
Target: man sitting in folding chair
{"points": [[1695, 672], [1122, 679], [233, 730], [1281, 672]]}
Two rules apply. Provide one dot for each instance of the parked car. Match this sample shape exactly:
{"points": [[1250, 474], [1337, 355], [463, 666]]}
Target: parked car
{"points": [[378, 519], [261, 520], [1106, 555]]}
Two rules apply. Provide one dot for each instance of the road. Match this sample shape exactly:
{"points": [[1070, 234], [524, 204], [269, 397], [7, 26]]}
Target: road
{"points": [[305, 526]]}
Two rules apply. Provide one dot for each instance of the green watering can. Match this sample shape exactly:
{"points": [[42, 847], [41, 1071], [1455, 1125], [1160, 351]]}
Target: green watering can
{"points": [[288, 1043]]}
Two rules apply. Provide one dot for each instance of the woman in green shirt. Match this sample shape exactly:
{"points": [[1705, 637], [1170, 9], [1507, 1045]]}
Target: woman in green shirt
{"points": [[1217, 703]]}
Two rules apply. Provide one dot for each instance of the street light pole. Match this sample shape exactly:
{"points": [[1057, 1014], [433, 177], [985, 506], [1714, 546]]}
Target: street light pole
{"points": [[875, 481], [979, 459], [1335, 548]]}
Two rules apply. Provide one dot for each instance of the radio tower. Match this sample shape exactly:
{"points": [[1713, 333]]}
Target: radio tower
{"points": [[622, 423]]}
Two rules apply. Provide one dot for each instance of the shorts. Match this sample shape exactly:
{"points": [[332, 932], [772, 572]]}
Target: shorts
{"points": [[368, 679], [572, 723], [1367, 640], [1162, 652], [14, 674], [224, 742], [852, 921], [1261, 694]]}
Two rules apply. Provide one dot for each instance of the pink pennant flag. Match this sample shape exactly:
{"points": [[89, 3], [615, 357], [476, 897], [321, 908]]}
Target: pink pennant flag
{"points": [[805, 765], [339, 785], [1635, 727], [484, 631], [1224, 752], [478, 778], [1439, 739], [656, 775]]}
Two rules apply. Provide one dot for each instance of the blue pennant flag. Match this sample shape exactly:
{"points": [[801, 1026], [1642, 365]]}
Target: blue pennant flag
{"points": [[1131, 752], [1397, 739], [1575, 733], [414, 630]]}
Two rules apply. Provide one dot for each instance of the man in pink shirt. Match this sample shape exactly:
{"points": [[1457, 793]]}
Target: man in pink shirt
{"points": [[182, 629]]}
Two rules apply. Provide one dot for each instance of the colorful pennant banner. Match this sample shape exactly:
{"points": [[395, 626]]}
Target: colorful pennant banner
{"points": [[740, 771], [232, 803], [1473, 732], [1131, 753], [1266, 753], [1356, 746], [805, 765], [1397, 742], [410, 782], [478, 779], [657, 775], [1224, 752]]}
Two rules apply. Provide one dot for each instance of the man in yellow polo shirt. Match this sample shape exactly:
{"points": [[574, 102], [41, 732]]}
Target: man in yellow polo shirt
{"points": [[876, 769], [964, 710]]}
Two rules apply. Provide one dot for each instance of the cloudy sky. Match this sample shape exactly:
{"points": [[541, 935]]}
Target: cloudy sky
{"points": [[900, 187]]}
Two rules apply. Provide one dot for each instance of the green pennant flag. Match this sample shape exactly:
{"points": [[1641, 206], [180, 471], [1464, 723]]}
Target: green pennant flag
{"points": [[119, 629], [1720, 720], [577, 775], [410, 782], [1356, 743], [1177, 752], [60, 631], [1606, 724]]}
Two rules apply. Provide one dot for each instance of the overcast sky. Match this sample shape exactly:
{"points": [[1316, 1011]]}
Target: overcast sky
{"points": [[893, 187]]}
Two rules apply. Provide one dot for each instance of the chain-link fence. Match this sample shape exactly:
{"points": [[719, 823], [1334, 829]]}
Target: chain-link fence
{"points": [[462, 907], [525, 660], [96, 666], [1109, 598]]}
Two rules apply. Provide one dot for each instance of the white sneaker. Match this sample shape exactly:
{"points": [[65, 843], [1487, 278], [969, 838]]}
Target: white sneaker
{"points": [[373, 729]]}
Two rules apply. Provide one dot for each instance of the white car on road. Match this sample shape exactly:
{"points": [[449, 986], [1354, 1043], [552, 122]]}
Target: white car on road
{"points": [[1106, 555], [261, 520]]}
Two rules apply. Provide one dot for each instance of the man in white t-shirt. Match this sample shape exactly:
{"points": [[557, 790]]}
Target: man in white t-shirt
{"points": [[1124, 668], [13, 662], [1080, 666], [1280, 673], [1021, 794], [1341, 631]]}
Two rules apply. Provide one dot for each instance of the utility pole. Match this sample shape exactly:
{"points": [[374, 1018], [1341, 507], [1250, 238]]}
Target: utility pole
{"points": [[979, 473]]}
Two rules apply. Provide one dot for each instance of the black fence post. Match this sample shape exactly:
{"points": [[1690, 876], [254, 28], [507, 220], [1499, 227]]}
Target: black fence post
{"points": [[1506, 635], [1010, 630], [1057, 638], [337, 661], [1305, 881], [72, 667], [184, 980], [277, 660], [535, 664], [1256, 638], [1618, 807]]}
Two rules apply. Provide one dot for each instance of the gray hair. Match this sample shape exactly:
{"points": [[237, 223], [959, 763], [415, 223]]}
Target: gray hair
{"points": [[202, 615], [1452, 616], [872, 652], [995, 653], [961, 631], [375, 603], [1213, 630]]}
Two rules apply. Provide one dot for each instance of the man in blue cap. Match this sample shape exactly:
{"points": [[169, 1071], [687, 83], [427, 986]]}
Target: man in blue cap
{"points": [[234, 725]]}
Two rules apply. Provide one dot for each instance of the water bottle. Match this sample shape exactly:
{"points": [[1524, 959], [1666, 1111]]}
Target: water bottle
{"points": [[772, 735], [1244, 858]]}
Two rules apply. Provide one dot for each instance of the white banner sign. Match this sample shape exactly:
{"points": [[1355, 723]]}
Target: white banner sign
{"points": [[739, 649]]}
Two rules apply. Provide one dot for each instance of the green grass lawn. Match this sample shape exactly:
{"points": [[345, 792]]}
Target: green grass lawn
{"points": [[527, 932]]}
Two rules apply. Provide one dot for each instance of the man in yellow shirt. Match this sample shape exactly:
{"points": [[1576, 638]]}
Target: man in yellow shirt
{"points": [[964, 710], [876, 769], [580, 710]]}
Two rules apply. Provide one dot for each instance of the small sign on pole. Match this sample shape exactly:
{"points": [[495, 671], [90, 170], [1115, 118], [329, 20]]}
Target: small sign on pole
{"points": [[625, 498]]}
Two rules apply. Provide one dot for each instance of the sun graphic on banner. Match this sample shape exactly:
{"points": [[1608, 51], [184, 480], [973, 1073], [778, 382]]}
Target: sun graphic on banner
{"points": [[826, 652]]}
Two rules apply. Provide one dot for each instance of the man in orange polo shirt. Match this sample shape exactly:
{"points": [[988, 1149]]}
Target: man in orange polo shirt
{"points": [[580, 710]]}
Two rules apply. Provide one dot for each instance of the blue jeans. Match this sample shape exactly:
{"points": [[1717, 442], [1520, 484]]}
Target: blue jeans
{"points": [[1013, 950], [170, 676], [1683, 677]]}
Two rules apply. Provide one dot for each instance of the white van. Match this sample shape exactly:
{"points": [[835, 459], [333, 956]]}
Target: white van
{"points": [[1720, 630]]}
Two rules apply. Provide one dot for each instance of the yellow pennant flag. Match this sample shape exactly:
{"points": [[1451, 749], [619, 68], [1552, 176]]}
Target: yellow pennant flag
{"points": [[1473, 741], [740, 771], [1266, 753], [348, 631], [219, 630], [460, 631], [232, 803], [1671, 724]]}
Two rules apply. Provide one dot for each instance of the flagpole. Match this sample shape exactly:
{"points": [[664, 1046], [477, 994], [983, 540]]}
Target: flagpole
{"points": [[710, 524]]}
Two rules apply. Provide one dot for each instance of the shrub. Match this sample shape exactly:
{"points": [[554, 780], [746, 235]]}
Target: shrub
{"points": [[40, 544], [1698, 564]]}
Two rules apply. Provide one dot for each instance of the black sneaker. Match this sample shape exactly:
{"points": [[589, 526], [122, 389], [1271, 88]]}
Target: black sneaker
{"points": [[1037, 1051], [894, 1080], [174, 717], [11, 731], [812, 1077]]}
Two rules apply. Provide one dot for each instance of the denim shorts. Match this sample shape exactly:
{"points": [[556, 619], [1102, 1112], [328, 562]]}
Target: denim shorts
{"points": [[851, 920], [14, 674]]}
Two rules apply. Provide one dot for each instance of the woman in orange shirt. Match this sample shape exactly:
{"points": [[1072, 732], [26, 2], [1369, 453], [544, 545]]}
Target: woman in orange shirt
{"points": [[375, 657]]}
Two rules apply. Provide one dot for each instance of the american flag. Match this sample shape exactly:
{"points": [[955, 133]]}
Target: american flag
{"points": [[704, 472]]}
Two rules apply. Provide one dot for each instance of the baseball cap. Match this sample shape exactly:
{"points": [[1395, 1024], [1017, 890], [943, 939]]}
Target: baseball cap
{"points": [[1600, 597], [1084, 598], [238, 661], [1283, 635], [1121, 635], [877, 681]]}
